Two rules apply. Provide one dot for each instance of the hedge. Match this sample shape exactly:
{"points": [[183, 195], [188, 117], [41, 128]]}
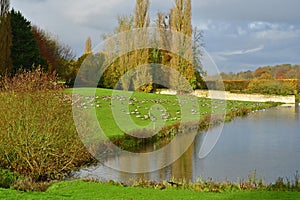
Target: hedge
{"points": [[279, 86]]}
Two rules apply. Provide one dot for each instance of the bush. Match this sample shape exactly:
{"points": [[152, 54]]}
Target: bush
{"points": [[236, 85], [7, 178], [38, 137], [277, 87], [26, 80]]}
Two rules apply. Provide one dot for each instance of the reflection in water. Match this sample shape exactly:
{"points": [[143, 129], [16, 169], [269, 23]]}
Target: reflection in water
{"points": [[267, 142]]}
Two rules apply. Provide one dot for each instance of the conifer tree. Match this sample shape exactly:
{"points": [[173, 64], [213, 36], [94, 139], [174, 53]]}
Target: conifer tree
{"points": [[5, 38], [25, 52]]}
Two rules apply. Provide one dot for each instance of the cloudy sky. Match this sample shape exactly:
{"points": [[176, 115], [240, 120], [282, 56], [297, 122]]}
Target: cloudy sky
{"points": [[238, 34]]}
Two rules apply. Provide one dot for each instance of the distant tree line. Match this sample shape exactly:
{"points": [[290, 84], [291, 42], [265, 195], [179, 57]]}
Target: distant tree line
{"points": [[280, 79], [283, 71]]}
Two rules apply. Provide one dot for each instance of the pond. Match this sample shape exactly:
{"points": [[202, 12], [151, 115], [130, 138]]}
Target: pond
{"points": [[265, 142]]}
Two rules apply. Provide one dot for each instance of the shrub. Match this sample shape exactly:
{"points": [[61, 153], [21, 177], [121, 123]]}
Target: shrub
{"points": [[26, 80], [38, 137], [236, 85], [28, 184], [278, 87], [7, 178]]}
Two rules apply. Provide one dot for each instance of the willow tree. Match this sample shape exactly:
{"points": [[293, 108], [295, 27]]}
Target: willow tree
{"points": [[5, 38]]}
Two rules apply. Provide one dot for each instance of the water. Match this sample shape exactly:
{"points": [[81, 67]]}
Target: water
{"points": [[266, 142]]}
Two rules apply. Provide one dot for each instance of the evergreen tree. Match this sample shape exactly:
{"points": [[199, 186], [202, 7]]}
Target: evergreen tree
{"points": [[5, 38], [25, 52]]}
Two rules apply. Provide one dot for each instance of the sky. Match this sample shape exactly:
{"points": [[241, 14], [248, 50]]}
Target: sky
{"points": [[239, 35]]}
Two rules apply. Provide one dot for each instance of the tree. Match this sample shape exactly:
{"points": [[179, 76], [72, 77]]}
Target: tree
{"points": [[141, 56], [181, 21], [88, 46], [25, 52], [263, 74], [48, 48], [178, 52], [124, 61], [5, 38]]}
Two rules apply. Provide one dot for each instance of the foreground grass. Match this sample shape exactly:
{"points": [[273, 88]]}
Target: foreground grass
{"points": [[90, 190]]}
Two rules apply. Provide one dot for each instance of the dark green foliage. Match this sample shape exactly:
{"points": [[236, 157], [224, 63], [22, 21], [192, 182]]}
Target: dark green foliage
{"points": [[5, 38], [7, 178], [25, 52]]}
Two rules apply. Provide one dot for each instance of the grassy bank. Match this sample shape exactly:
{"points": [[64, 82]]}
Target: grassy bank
{"points": [[39, 140], [171, 110], [171, 114], [90, 190]]}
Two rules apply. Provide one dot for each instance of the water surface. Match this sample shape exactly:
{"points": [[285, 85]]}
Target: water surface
{"points": [[266, 142]]}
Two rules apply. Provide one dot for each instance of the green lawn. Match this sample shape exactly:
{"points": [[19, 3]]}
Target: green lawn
{"points": [[139, 108], [85, 190]]}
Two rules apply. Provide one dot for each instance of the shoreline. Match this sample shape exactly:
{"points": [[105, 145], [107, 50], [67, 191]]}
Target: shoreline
{"points": [[207, 189], [134, 144]]}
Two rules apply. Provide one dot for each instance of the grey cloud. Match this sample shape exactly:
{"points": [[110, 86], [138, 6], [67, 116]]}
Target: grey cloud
{"points": [[229, 26], [254, 10]]}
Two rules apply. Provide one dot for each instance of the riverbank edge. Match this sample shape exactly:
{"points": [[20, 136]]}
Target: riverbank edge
{"points": [[87, 189], [130, 143]]}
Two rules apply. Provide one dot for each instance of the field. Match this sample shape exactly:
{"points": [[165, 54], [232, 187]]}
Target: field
{"points": [[89, 190], [132, 111]]}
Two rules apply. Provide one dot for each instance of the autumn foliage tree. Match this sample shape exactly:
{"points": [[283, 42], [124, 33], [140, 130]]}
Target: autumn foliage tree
{"points": [[141, 56], [88, 46], [181, 21], [127, 70], [58, 57]]}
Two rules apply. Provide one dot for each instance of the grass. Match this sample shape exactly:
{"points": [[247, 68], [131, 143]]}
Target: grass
{"points": [[39, 140], [90, 190], [167, 109]]}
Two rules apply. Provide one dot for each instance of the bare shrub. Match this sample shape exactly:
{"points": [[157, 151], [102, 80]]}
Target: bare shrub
{"points": [[38, 137]]}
